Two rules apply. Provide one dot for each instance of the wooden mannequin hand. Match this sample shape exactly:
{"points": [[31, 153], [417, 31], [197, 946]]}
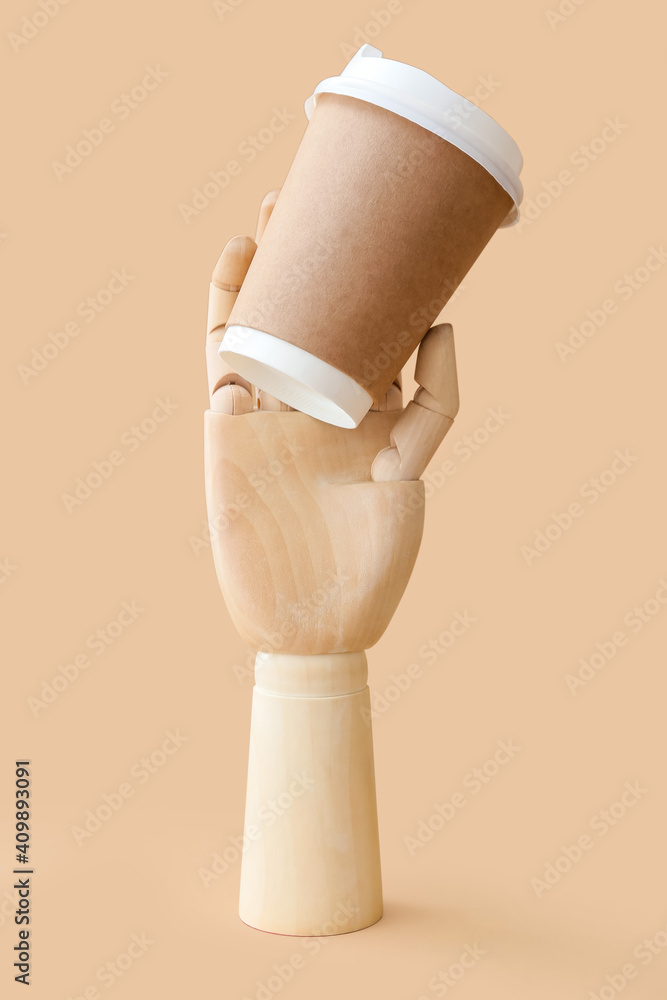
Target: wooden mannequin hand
{"points": [[315, 529]]}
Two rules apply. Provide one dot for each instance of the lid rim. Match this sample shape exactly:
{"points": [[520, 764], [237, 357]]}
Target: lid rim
{"points": [[429, 103]]}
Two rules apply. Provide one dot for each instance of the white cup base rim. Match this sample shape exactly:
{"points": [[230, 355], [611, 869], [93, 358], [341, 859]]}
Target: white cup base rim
{"points": [[312, 386]]}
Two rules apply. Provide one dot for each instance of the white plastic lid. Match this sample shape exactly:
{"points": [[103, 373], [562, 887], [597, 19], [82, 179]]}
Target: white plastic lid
{"points": [[296, 377], [418, 96]]}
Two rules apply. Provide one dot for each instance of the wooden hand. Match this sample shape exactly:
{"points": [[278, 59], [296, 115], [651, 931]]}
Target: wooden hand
{"points": [[315, 529]]}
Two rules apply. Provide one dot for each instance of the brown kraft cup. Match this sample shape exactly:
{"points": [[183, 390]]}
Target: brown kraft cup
{"points": [[377, 223]]}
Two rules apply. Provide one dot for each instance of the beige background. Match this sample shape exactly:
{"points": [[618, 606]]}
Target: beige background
{"points": [[67, 574]]}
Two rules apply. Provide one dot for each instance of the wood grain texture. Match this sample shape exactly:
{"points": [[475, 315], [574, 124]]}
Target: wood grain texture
{"points": [[311, 864], [311, 555]]}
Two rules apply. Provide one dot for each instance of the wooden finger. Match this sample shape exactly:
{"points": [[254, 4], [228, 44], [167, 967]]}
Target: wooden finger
{"points": [[265, 209], [435, 371], [414, 441], [232, 398], [419, 431], [226, 282], [269, 403], [392, 399]]}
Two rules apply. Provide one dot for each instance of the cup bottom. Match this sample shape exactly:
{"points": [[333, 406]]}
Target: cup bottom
{"points": [[295, 377]]}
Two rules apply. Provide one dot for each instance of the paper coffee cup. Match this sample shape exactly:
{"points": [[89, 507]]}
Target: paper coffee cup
{"points": [[396, 188]]}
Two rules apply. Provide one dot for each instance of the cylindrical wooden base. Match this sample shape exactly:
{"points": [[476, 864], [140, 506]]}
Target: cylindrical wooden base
{"points": [[311, 860]]}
